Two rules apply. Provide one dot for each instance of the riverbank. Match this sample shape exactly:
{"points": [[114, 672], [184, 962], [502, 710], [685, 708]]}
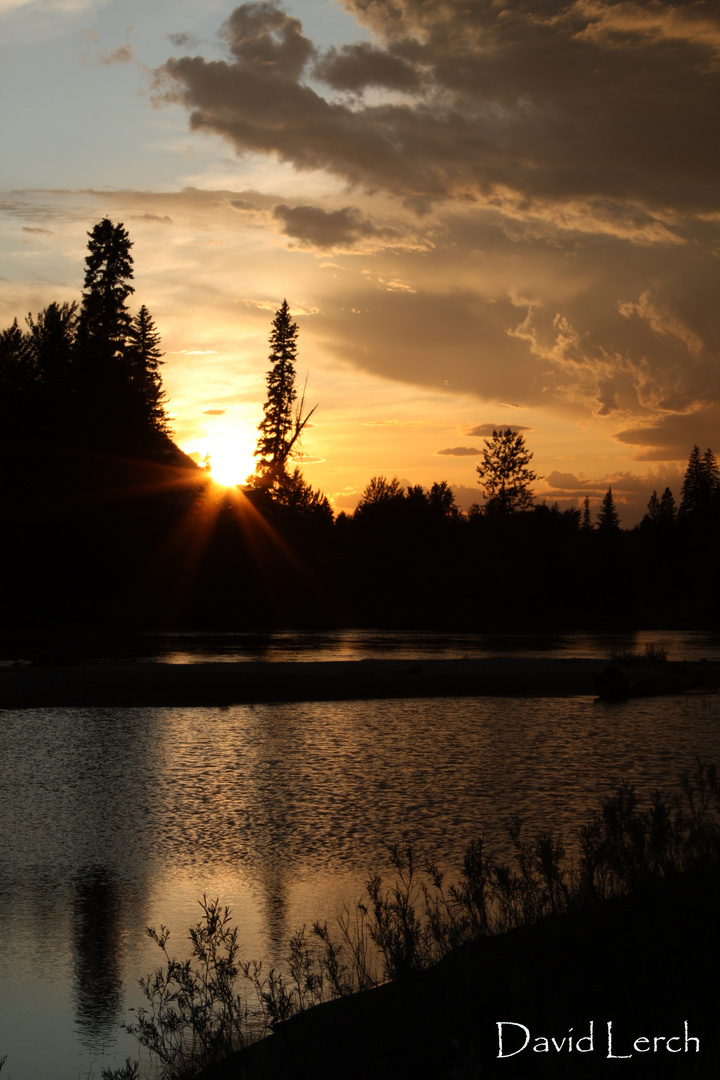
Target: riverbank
{"points": [[137, 684], [645, 964]]}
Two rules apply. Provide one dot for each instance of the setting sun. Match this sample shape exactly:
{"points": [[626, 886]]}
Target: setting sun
{"points": [[231, 457]]}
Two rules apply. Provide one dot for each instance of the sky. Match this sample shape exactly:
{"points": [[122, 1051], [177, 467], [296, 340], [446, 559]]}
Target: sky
{"points": [[483, 214]]}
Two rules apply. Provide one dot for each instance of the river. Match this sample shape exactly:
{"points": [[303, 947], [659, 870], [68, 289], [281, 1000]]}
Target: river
{"points": [[113, 820]]}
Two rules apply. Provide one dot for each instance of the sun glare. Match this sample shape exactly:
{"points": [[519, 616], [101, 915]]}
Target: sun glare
{"points": [[231, 459]]}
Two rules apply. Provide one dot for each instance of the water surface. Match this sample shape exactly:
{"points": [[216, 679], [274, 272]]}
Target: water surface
{"points": [[116, 819]]}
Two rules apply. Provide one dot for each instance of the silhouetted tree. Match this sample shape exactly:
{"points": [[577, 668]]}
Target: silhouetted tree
{"points": [[504, 474], [282, 424], [305, 501], [144, 360], [660, 511], [668, 513], [586, 524], [700, 486], [51, 344], [15, 371], [652, 516], [608, 520], [380, 492], [441, 501], [105, 319]]}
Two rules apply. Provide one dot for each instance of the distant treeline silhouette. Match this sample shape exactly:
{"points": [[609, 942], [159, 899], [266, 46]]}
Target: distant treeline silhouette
{"points": [[107, 523]]}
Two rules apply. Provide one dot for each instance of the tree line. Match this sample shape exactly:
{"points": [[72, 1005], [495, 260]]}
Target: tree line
{"points": [[107, 522], [88, 373]]}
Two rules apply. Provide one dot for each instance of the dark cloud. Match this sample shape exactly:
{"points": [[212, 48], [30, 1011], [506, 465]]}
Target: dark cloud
{"points": [[453, 340], [487, 429], [355, 67], [518, 104], [184, 41], [570, 483], [607, 397], [313, 227], [672, 437], [30, 229], [262, 36], [214, 412], [461, 451]]}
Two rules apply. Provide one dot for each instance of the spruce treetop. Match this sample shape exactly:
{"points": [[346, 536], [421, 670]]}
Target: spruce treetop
{"points": [[108, 272]]}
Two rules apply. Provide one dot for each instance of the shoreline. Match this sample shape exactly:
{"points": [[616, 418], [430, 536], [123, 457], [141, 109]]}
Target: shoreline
{"points": [[644, 961], [127, 685]]}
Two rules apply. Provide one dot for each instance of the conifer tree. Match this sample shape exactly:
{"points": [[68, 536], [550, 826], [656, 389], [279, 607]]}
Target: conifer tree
{"points": [[105, 319], [51, 342], [505, 475], [586, 518], [15, 371], [700, 486], [608, 520], [282, 423], [667, 512], [652, 517], [144, 360]]}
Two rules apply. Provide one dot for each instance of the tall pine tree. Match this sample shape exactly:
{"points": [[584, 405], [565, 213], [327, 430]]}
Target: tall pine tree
{"points": [[144, 359], [105, 319], [700, 487], [608, 520], [283, 422]]}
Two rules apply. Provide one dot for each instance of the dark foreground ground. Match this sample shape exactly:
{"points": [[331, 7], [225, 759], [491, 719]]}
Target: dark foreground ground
{"points": [[647, 964], [133, 684]]}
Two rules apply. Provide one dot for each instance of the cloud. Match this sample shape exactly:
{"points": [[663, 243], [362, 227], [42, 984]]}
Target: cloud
{"points": [[396, 286], [392, 423], [122, 55], [214, 412], [161, 219], [487, 429], [662, 320], [272, 305], [630, 490], [242, 205], [314, 227], [550, 162], [598, 112], [356, 67], [672, 437], [461, 451], [196, 352], [346, 500], [50, 7], [184, 40]]}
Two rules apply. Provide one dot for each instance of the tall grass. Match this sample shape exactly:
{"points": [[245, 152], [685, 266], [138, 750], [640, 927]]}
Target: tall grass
{"points": [[652, 654], [196, 1014]]}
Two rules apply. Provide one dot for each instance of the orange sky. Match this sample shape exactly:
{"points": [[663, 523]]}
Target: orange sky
{"points": [[507, 217]]}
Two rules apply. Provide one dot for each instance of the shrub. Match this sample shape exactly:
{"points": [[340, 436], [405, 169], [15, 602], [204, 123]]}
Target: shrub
{"points": [[196, 1016], [652, 654]]}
